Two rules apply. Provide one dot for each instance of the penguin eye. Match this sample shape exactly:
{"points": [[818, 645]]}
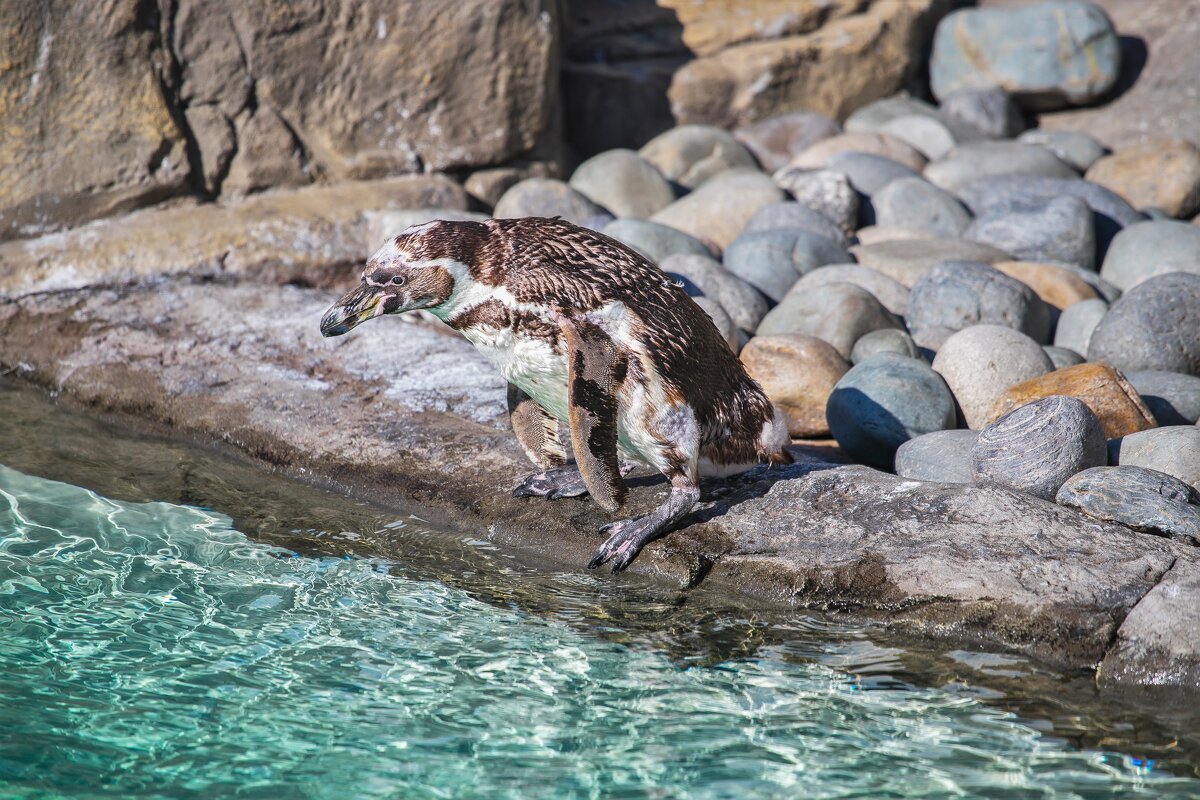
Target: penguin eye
{"points": [[397, 280]]}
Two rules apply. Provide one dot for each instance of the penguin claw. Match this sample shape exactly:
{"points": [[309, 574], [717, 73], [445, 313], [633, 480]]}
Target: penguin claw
{"points": [[627, 538]]}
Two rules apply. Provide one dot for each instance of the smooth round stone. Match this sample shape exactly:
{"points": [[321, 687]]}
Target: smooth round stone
{"points": [[705, 275], [839, 313], [1174, 450], [1104, 390], [772, 261], [791, 215], [1037, 447], [776, 141], [1146, 249], [1075, 148], [1174, 399], [719, 209], [545, 197], [691, 154], [958, 294], [1157, 173], [798, 373], [869, 173], [876, 144], [875, 234], [883, 402], [1046, 55], [1076, 323], [1058, 286], [942, 456], [1155, 325], [1062, 230], [1142, 499], [827, 192], [720, 319], [980, 362], [624, 183], [975, 161], [927, 135], [884, 340], [655, 241], [915, 204], [597, 222], [875, 116], [907, 260], [888, 291], [1062, 357], [990, 110]]}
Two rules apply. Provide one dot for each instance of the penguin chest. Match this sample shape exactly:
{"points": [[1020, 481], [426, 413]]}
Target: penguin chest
{"points": [[528, 362]]}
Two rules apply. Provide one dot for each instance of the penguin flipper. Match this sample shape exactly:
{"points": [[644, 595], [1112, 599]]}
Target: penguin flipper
{"points": [[537, 431], [595, 373]]}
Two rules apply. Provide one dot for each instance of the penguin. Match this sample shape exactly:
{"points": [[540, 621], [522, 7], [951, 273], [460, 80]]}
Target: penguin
{"points": [[591, 336]]}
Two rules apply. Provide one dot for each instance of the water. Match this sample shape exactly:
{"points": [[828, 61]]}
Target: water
{"points": [[151, 650]]}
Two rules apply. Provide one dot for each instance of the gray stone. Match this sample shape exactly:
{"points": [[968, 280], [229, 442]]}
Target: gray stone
{"points": [[545, 197], [691, 154], [990, 110], [1045, 55], [1174, 450], [1156, 644], [916, 204], [1146, 249], [745, 305], [772, 261], [883, 402], [908, 260], [1153, 326], [721, 319], [1060, 231], [827, 192], [1062, 357], [976, 161], [979, 363], [958, 294], [1174, 399], [1076, 323], [717, 211], [790, 215], [839, 313], [942, 456], [777, 140], [874, 117], [655, 241], [884, 340], [887, 290], [1143, 499], [1036, 447], [1104, 290], [868, 173], [1075, 148], [624, 183], [928, 135]]}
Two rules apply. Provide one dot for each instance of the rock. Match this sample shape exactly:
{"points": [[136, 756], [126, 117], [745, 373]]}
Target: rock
{"points": [[772, 261], [624, 183], [1173, 450], [1035, 448], [976, 161], [657, 242], [1103, 289], [215, 141], [721, 320], [1142, 499], [958, 294], [1116, 404], [1156, 644], [1174, 399], [744, 304], [868, 173], [839, 313], [1045, 55], [989, 110], [597, 94], [779, 139], [1147, 249], [942, 456], [980, 362], [1062, 230], [1077, 149], [884, 340], [908, 260], [889, 292], [824, 191], [876, 234], [489, 185], [797, 372], [875, 144], [915, 204], [875, 117], [545, 197], [718, 210], [927, 135], [795, 216], [268, 155], [1152, 326], [883, 402], [1058, 286], [691, 154], [1076, 323], [1156, 173], [1062, 357]]}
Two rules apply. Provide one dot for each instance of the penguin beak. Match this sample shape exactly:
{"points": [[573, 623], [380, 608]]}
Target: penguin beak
{"points": [[356, 306]]}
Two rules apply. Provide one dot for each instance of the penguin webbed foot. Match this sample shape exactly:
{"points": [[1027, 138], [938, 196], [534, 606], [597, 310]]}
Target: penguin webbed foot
{"points": [[627, 537], [552, 484]]}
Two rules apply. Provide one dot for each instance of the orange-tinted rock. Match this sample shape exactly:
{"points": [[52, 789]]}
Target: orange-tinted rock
{"points": [[1158, 173], [1103, 389], [797, 372], [876, 144], [1057, 286]]}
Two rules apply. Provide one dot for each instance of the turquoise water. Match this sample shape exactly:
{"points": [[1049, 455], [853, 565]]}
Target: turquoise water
{"points": [[151, 650]]}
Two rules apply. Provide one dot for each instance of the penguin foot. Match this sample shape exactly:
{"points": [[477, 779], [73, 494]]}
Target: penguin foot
{"points": [[552, 484], [626, 539]]}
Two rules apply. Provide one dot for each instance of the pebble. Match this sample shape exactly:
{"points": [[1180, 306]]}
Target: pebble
{"points": [[869, 173], [798, 373], [877, 144], [839, 313], [942, 456], [776, 141], [915, 204], [927, 135], [827, 192], [1062, 357], [719, 209], [1174, 399], [989, 110], [875, 116], [1174, 450], [888, 291], [1037, 447], [1156, 173], [958, 294], [545, 197], [656, 242], [772, 261], [885, 401], [884, 340], [744, 304], [1105, 391], [975, 161], [721, 319], [691, 154], [980, 362], [1058, 286], [1046, 55], [1142, 499], [624, 183], [1076, 323], [1062, 230], [1155, 325], [908, 260], [792, 215], [1146, 249], [1075, 148], [874, 234]]}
